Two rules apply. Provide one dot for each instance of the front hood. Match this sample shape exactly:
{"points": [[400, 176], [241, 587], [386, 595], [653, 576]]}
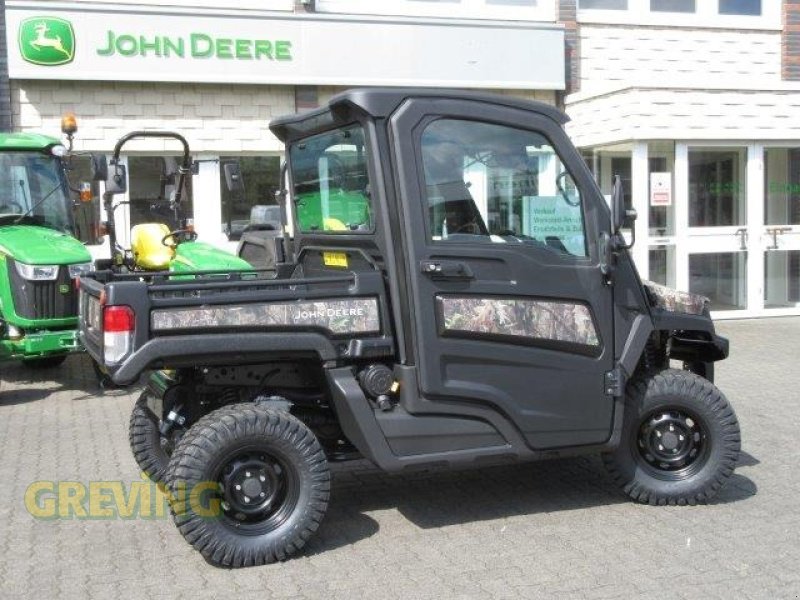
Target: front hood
{"points": [[199, 256], [672, 300], [34, 245]]}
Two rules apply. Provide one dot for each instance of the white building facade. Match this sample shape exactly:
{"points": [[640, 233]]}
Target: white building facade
{"points": [[219, 74], [696, 104]]}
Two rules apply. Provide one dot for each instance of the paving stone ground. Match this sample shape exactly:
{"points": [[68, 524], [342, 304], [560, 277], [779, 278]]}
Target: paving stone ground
{"points": [[545, 530]]}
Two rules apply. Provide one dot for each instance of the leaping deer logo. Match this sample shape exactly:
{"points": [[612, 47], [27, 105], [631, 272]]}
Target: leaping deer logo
{"points": [[42, 41]]}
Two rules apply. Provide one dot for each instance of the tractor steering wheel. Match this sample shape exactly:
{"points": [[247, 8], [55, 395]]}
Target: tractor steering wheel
{"points": [[178, 236], [10, 205]]}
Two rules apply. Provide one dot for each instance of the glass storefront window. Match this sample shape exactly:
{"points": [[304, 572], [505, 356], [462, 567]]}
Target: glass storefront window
{"points": [[722, 277], [151, 183], [717, 187], [740, 7], [782, 186], [661, 161], [255, 205], [683, 6], [782, 279], [662, 265], [604, 4]]}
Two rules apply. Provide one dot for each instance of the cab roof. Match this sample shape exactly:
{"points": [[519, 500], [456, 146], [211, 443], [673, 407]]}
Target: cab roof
{"points": [[381, 102], [26, 141]]}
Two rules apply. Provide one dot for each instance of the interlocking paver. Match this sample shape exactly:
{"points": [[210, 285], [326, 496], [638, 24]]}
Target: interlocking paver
{"points": [[546, 530]]}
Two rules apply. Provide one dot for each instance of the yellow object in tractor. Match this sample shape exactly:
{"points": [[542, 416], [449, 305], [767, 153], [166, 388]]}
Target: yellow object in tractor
{"points": [[148, 251]]}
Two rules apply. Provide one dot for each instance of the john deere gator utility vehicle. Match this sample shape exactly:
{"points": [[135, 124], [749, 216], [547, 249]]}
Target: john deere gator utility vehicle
{"points": [[457, 292], [40, 257]]}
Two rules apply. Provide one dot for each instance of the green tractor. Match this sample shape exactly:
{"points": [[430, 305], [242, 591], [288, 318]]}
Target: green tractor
{"points": [[40, 256], [154, 247]]}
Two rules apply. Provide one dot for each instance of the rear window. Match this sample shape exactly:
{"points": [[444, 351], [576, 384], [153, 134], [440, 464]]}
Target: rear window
{"points": [[331, 186]]}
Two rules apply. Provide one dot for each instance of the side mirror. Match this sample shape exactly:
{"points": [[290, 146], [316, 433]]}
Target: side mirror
{"points": [[98, 167], [233, 177], [117, 180], [622, 217]]}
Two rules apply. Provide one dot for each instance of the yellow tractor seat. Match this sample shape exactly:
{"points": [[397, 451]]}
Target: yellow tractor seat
{"points": [[148, 251]]}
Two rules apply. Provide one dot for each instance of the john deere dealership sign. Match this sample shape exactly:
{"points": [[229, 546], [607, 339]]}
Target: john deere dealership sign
{"points": [[179, 45]]}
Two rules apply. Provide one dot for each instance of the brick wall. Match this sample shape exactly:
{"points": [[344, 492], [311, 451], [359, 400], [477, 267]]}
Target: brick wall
{"points": [[790, 44], [567, 15], [5, 92], [215, 118]]}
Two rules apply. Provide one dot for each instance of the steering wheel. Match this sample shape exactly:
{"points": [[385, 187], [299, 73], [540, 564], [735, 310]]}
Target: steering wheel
{"points": [[559, 184], [178, 236], [12, 204]]}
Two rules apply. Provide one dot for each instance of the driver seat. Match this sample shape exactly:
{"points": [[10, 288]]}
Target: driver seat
{"points": [[148, 251]]}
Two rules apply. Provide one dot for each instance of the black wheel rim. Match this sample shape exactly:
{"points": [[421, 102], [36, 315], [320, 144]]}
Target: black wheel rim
{"points": [[672, 443], [257, 491]]}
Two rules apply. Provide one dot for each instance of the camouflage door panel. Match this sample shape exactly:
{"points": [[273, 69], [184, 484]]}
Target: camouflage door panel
{"points": [[349, 316], [546, 320]]}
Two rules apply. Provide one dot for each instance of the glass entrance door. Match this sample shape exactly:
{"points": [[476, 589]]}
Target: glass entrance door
{"points": [[717, 235], [780, 233]]}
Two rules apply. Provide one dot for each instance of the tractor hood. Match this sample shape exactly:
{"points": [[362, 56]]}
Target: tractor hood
{"points": [[199, 256], [34, 245], [672, 300]]}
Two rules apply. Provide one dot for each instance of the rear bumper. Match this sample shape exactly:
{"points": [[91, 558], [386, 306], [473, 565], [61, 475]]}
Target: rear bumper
{"points": [[39, 344]]}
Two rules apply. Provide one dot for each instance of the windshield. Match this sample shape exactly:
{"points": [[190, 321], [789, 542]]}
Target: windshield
{"points": [[28, 179], [331, 186]]}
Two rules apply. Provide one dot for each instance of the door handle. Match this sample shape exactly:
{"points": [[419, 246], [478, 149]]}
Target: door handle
{"points": [[775, 232], [742, 233], [446, 269]]}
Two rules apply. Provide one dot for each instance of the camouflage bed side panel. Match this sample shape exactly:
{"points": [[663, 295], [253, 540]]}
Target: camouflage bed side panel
{"points": [[673, 300], [355, 315], [538, 319]]}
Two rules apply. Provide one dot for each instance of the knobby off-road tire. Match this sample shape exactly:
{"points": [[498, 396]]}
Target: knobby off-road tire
{"points": [[680, 440], [267, 475], [145, 439], [48, 362]]}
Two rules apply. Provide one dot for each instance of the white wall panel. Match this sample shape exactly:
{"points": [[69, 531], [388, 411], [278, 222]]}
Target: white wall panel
{"points": [[615, 55]]}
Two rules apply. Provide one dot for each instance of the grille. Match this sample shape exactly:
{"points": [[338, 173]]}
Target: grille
{"points": [[43, 299]]}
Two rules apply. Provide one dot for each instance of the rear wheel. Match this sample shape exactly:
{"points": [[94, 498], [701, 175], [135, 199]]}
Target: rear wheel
{"points": [[680, 440], [249, 485], [150, 449], [47, 362]]}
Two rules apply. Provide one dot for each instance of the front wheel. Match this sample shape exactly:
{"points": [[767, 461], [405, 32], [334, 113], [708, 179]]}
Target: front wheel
{"points": [[249, 485], [680, 440]]}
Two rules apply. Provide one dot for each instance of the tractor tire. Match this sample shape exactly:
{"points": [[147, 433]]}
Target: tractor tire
{"points": [[149, 451], [680, 440], [47, 362], [249, 485]]}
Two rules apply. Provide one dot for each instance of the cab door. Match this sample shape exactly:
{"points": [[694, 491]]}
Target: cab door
{"points": [[509, 307]]}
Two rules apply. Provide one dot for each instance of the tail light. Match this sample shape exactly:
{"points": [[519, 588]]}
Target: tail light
{"points": [[119, 325]]}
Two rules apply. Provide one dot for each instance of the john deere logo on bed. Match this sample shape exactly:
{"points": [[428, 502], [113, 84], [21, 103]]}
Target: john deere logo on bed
{"points": [[47, 41]]}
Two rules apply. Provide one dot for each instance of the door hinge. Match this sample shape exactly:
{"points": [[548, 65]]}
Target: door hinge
{"points": [[615, 382]]}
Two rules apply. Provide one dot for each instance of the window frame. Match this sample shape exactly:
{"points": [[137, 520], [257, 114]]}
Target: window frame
{"points": [[544, 10], [706, 16], [425, 201]]}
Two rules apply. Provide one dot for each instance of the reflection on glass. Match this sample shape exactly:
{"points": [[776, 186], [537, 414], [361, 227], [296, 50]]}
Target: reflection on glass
{"points": [[717, 189], [662, 265], [782, 279], [721, 276], [684, 6], [488, 183], [782, 186]]}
